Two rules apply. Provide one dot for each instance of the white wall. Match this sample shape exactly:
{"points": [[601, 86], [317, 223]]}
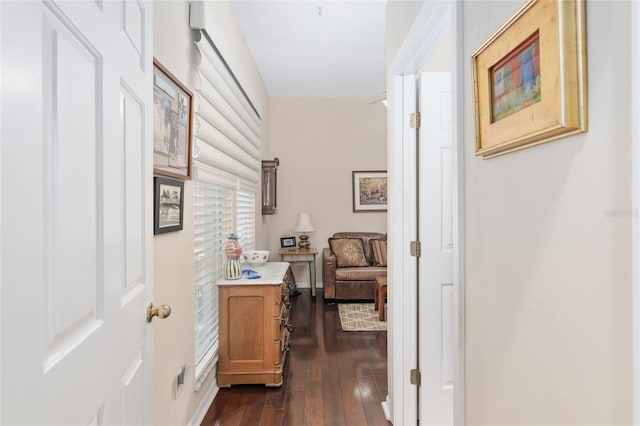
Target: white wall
{"points": [[319, 143], [548, 267], [173, 252]]}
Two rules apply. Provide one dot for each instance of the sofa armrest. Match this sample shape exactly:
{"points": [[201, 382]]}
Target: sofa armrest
{"points": [[328, 274]]}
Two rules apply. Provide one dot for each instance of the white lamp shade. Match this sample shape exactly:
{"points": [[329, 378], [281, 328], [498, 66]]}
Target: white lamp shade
{"points": [[304, 223]]}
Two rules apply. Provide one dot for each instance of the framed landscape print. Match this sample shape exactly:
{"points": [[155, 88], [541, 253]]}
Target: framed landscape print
{"points": [[370, 193], [530, 78], [172, 124], [169, 204]]}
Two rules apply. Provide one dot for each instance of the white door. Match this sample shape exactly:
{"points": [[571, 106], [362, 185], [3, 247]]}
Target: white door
{"points": [[435, 222], [76, 253]]}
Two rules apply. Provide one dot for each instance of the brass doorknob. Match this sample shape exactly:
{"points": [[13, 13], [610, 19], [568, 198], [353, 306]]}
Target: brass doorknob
{"points": [[161, 311]]}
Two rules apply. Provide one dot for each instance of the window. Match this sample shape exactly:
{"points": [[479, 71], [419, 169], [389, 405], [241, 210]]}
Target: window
{"points": [[222, 205], [246, 217]]}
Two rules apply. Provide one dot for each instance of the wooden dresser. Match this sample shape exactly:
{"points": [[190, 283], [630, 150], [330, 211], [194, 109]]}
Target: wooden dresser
{"points": [[254, 327]]}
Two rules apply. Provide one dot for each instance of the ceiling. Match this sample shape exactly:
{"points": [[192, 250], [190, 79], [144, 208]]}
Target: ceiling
{"points": [[309, 48]]}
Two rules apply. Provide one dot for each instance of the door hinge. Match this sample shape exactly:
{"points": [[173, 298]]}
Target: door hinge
{"points": [[414, 376], [416, 248], [415, 120]]}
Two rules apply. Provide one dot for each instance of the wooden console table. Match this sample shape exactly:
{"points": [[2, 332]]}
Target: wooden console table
{"points": [[302, 255], [254, 327]]}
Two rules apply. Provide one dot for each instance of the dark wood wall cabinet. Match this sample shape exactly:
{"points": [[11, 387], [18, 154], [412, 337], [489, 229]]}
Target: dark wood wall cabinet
{"points": [[269, 185]]}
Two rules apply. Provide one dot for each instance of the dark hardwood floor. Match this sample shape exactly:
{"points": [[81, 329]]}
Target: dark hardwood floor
{"points": [[332, 377]]}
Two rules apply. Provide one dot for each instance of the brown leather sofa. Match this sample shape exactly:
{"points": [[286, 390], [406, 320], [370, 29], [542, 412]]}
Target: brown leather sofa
{"points": [[351, 283]]}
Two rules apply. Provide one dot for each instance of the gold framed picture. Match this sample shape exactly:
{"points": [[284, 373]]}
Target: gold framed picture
{"points": [[530, 78]]}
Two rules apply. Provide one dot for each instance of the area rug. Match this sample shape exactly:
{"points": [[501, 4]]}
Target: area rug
{"points": [[360, 317]]}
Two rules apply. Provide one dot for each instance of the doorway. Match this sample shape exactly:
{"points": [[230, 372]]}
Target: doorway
{"points": [[415, 340]]}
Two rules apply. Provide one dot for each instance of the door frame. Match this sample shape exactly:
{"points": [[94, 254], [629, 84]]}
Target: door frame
{"points": [[635, 204], [433, 21]]}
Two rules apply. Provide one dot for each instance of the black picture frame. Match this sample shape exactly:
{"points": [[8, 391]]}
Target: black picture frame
{"points": [[169, 205], [287, 242]]}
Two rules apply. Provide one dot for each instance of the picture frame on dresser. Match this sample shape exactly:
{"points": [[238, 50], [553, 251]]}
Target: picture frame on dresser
{"points": [[287, 242], [530, 78]]}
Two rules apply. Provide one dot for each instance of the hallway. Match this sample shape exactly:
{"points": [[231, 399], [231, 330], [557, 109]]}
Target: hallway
{"points": [[333, 377]]}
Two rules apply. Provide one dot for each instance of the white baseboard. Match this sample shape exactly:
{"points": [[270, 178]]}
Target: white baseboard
{"points": [[386, 407], [205, 403], [308, 285]]}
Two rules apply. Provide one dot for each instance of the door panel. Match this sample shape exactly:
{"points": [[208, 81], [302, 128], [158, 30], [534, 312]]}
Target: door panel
{"points": [[71, 245], [76, 213], [436, 262], [132, 122]]}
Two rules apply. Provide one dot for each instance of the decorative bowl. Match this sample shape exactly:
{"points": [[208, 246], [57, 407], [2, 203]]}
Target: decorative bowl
{"points": [[256, 257]]}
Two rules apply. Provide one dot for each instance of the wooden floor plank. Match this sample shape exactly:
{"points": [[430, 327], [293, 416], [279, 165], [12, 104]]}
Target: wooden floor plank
{"points": [[233, 410], [370, 399], [253, 399], [214, 414], [332, 391], [314, 398], [294, 411], [272, 417], [314, 386], [351, 397], [275, 398]]}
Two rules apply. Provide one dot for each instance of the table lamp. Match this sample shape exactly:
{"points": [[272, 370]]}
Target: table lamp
{"points": [[304, 225]]}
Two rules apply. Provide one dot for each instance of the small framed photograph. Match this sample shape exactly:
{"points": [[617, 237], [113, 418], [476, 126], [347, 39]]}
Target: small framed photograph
{"points": [[288, 242], [169, 205], [370, 191], [172, 124]]}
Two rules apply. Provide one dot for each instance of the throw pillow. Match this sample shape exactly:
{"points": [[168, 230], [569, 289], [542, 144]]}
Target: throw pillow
{"points": [[348, 252], [379, 252]]}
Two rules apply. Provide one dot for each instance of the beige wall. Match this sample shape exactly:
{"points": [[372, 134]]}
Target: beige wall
{"points": [[547, 247], [319, 143], [173, 252], [547, 259], [400, 15]]}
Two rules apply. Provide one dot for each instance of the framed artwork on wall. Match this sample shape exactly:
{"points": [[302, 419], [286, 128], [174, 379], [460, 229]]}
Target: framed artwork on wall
{"points": [[169, 205], [530, 78], [172, 124], [369, 191]]}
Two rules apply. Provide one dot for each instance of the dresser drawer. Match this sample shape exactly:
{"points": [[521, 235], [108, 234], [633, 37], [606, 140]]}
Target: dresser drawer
{"points": [[283, 342], [284, 314]]}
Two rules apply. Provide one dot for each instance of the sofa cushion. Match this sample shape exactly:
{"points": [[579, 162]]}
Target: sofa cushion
{"points": [[379, 252], [368, 273], [365, 237], [348, 252]]}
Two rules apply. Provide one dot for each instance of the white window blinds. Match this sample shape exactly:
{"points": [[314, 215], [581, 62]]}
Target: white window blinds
{"points": [[246, 217], [213, 221], [227, 123]]}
